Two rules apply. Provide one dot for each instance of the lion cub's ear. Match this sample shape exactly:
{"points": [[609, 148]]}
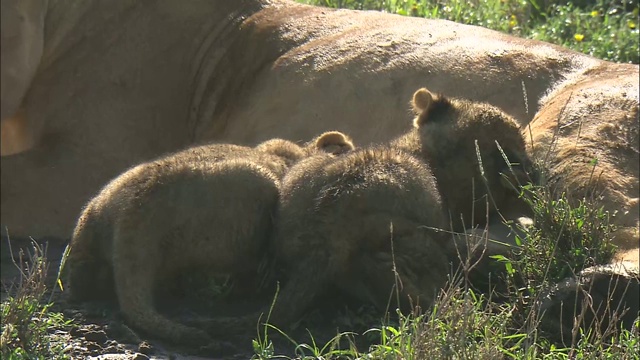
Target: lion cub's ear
{"points": [[429, 107], [422, 99], [422, 102], [334, 142]]}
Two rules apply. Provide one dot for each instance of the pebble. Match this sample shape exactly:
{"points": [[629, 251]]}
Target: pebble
{"points": [[99, 336], [112, 349], [145, 348], [77, 331], [93, 347]]}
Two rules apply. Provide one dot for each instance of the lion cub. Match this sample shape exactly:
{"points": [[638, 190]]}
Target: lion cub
{"points": [[356, 220], [344, 218], [207, 207], [465, 144]]}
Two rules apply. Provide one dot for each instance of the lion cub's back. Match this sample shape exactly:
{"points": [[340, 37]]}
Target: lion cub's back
{"points": [[355, 195]]}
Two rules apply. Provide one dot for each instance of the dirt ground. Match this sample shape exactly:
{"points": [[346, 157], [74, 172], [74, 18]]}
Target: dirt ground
{"points": [[99, 332]]}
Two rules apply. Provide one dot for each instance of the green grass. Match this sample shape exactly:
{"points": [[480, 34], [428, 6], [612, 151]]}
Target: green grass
{"points": [[566, 240], [602, 28], [461, 325], [567, 236], [465, 325], [27, 319]]}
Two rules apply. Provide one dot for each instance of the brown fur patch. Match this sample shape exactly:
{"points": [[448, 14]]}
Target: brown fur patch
{"points": [[339, 219], [449, 132], [586, 137], [16, 135], [207, 208]]}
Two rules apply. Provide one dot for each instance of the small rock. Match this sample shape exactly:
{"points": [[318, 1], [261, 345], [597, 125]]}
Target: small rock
{"points": [[145, 348], [113, 349], [77, 331], [111, 343], [138, 356], [93, 327], [68, 349], [99, 336], [91, 346], [56, 332]]}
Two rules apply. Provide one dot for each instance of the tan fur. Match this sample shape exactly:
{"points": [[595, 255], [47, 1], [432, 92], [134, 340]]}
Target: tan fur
{"points": [[335, 142], [95, 107], [22, 39], [604, 296], [207, 208], [338, 220], [446, 133], [15, 135], [422, 99], [586, 136]]}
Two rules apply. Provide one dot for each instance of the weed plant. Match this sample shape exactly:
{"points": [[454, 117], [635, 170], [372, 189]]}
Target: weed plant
{"points": [[27, 319]]}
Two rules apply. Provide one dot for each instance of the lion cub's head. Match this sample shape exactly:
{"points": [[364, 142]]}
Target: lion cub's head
{"points": [[474, 149]]}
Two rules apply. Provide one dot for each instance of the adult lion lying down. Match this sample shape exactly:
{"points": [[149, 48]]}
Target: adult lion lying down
{"points": [[89, 90]]}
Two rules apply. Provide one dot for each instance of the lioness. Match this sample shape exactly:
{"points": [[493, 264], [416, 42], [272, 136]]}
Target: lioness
{"points": [[243, 72]]}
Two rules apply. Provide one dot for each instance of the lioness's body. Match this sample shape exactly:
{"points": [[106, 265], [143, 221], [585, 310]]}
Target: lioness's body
{"points": [[587, 136], [123, 83]]}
